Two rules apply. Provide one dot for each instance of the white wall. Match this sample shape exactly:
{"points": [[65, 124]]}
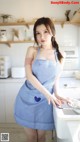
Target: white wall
{"points": [[29, 9], [68, 35], [79, 46], [35, 8]]}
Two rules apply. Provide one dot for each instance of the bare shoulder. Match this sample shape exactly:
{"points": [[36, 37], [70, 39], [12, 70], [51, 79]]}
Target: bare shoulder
{"points": [[31, 51]]}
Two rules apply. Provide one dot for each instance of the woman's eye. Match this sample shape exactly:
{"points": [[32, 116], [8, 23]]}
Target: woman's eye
{"points": [[46, 31], [37, 33]]}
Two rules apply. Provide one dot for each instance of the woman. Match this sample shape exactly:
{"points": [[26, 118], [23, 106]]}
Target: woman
{"points": [[36, 98]]}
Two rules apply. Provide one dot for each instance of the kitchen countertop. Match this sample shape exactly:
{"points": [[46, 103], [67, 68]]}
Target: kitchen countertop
{"points": [[9, 79], [66, 114], [65, 82], [69, 82]]}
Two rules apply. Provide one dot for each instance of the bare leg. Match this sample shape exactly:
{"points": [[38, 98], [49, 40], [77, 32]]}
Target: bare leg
{"points": [[41, 135], [31, 134]]}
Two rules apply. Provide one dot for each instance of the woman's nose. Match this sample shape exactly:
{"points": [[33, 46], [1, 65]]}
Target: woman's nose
{"points": [[42, 36]]}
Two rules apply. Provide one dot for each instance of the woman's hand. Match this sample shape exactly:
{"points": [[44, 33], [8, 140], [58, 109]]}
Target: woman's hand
{"points": [[56, 100], [62, 99]]}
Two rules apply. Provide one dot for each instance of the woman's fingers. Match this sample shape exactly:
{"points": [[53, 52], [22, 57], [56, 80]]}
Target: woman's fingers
{"points": [[58, 102], [54, 101], [51, 100], [62, 99]]}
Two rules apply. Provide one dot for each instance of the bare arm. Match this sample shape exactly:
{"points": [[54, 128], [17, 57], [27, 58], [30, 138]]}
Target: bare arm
{"points": [[32, 79], [56, 85]]}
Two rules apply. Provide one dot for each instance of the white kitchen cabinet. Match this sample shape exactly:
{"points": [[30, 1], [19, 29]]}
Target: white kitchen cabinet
{"points": [[11, 93], [8, 92], [2, 102]]}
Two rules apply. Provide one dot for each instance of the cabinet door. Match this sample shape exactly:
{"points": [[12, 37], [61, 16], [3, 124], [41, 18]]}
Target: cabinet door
{"points": [[2, 102], [12, 89]]}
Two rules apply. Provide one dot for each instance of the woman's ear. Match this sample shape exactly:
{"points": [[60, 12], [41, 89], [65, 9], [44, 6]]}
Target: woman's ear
{"points": [[52, 38]]}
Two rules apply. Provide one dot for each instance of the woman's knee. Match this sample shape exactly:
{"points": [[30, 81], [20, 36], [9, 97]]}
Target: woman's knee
{"points": [[31, 134], [41, 136]]}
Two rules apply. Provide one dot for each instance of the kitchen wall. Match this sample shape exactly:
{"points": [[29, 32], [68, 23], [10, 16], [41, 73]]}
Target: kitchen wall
{"points": [[35, 8], [68, 35], [79, 47]]}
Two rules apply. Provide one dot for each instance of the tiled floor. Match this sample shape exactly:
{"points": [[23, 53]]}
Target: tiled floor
{"points": [[18, 134]]}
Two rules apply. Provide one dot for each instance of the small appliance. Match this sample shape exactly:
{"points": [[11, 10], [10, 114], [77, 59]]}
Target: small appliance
{"points": [[18, 72]]}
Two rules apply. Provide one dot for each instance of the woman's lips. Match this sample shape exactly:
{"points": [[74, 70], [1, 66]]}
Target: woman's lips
{"points": [[42, 40]]}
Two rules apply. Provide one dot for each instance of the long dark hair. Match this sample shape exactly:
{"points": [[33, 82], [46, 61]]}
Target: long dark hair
{"points": [[48, 23]]}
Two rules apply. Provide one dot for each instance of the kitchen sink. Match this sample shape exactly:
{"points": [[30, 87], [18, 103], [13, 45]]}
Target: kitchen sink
{"points": [[67, 124], [69, 111]]}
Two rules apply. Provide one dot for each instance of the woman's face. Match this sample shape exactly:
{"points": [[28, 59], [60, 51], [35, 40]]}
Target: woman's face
{"points": [[43, 35]]}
